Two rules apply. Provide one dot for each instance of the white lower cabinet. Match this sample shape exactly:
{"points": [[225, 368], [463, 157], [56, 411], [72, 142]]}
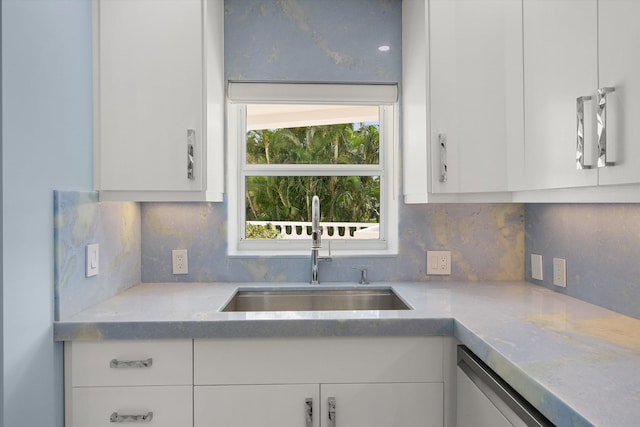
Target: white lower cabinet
{"points": [[307, 382], [282, 405], [314, 405], [167, 406], [112, 382], [382, 405], [318, 382]]}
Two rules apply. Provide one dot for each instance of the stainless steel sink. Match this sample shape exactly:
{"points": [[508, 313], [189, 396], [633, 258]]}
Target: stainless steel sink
{"points": [[315, 300]]}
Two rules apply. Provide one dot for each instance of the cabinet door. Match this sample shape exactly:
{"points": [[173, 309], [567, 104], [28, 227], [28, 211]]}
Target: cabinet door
{"points": [[619, 67], [476, 93], [149, 94], [260, 405], [560, 65], [382, 405]]}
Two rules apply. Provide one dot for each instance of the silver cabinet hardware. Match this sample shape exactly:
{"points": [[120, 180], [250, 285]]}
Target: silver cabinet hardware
{"points": [[142, 418], [442, 142], [580, 131], [601, 116], [308, 409], [191, 141], [332, 412], [120, 364]]}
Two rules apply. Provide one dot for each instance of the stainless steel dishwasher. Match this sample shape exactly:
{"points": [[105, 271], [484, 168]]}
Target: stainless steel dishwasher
{"points": [[485, 399]]}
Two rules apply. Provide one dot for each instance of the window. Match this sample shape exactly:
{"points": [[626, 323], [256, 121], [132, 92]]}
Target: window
{"points": [[289, 142]]}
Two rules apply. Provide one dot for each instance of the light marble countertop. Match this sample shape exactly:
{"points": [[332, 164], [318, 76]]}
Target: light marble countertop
{"points": [[578, 363]]}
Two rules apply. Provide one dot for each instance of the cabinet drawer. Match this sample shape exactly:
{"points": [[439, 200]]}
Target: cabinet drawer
{"points": [[109, 406], [317, 360], [129, 363]]}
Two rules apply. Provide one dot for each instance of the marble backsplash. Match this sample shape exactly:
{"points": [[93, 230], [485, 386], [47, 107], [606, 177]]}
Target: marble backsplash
{"points": [[600, 242], [486, 243], [80, 219]]}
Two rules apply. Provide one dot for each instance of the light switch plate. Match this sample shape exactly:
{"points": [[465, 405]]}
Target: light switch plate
{"points": [[560, 272], [93, 260], [439, 262], [536, 267]]}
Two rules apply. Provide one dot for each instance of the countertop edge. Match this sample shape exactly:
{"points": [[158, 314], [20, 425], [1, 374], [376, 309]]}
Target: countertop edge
{"points": [[95, 331]]}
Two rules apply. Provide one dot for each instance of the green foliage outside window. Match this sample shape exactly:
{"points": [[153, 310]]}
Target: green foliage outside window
{"points": [[267, 231], [288, 198]]}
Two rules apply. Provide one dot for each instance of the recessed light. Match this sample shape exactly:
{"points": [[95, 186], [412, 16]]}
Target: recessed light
{"points": [[384, 48]]}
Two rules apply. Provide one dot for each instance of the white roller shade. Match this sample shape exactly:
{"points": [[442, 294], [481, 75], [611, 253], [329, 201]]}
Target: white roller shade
{"points": [[309, 93]]}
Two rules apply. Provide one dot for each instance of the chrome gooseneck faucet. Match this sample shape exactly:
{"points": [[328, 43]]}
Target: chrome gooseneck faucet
{"points": [[316, 234]]}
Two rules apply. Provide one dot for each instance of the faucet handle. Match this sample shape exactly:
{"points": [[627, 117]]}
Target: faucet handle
{"points": [[363, 277]]}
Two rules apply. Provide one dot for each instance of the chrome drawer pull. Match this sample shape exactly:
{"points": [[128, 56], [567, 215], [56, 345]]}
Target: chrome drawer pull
{"points": [[332, 412], [118, 418], [126, 364], [308, 409], [442, 142], [601, 116], [580, 131], [191, 142]]}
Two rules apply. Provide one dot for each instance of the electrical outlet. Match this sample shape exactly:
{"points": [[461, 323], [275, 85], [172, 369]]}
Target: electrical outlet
{"points": [[180, 261], [560, 272], [439, 262], [536, 267], [93, 260]]}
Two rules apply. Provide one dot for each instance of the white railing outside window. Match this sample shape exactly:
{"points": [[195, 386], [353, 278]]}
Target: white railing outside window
{"points": [[330, 230]]}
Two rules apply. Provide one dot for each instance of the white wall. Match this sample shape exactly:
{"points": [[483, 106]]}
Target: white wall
{"points": [[1, 257], [46, 145]]}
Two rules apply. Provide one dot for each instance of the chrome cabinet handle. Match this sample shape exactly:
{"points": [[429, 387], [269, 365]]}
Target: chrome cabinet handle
{"points": [[580, 131], [124, 364], [332, 412], [142, 418], [442, 142], [308, 409], [601, 117], [191, 141]]}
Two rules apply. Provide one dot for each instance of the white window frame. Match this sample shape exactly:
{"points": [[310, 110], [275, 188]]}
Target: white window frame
{"points": [[240, 94]]}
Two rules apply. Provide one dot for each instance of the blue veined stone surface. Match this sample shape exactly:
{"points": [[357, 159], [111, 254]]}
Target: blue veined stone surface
{"points": [[310, 40], [486, 243], [600, 242], [79, 220]]}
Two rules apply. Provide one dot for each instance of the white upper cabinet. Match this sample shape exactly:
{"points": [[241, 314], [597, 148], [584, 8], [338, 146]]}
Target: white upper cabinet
{"points": [[572, 51], [416, 168], [462, 99], [476, 93], [619, 68], [560, 65], [159, 96]]}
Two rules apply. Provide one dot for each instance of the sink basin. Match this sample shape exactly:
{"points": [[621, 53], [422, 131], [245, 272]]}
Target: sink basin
{"points": [[315, 300]]}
